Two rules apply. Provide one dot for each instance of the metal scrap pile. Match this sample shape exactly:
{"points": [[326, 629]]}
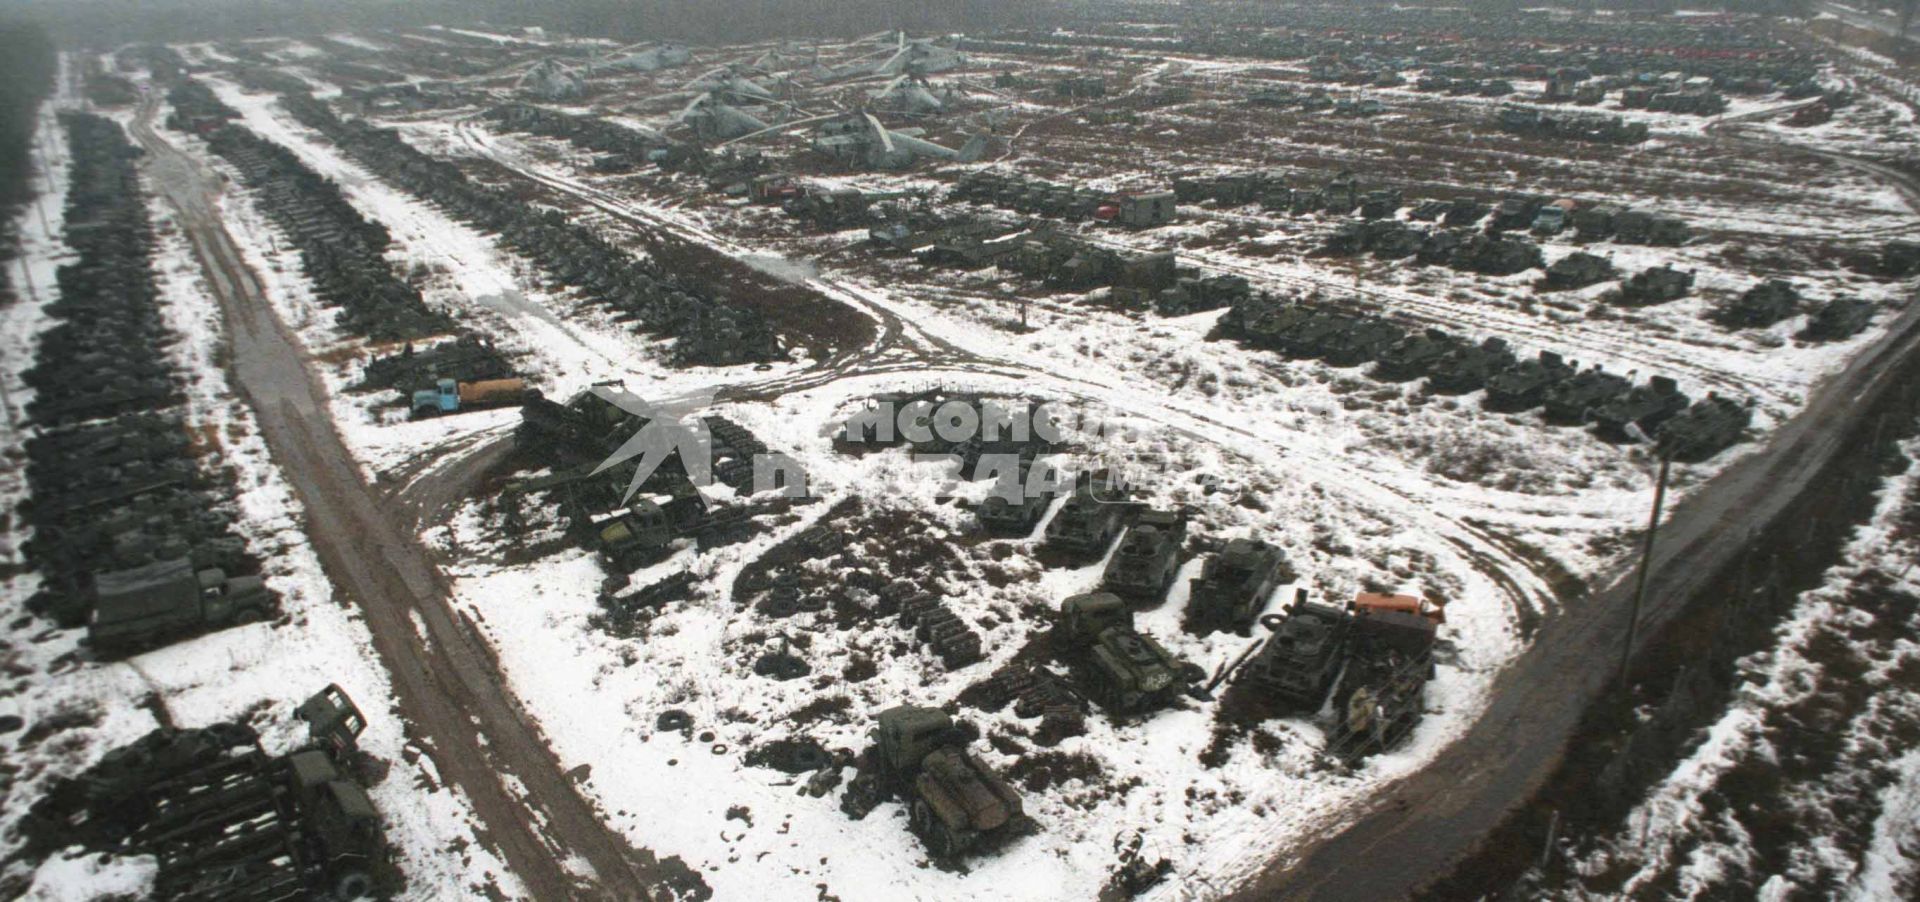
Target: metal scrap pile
{"points": [[224, 820]]}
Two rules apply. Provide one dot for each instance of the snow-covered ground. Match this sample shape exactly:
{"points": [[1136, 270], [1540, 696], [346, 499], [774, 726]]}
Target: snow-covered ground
{"points": [[1363, 485]]}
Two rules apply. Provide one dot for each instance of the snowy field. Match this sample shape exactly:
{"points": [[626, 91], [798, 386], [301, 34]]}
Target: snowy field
{"points": [[1365, 485]]}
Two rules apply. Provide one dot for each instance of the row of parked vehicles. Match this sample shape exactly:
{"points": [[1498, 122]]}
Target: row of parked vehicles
{"points": [[1620, 410], [132, 531]]}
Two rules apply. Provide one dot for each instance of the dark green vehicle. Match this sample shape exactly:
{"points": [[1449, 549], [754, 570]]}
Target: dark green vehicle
{"points": [[151, 605]]}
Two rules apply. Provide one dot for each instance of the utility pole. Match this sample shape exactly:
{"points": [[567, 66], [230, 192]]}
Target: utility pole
{"points": [[1646, 563]]}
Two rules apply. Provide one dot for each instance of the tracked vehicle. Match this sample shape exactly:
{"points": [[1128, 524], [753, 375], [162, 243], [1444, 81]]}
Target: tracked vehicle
{"points": [[1142, 569], [1122, 670], [1299, 663], [1233, 586], [955, 804]]}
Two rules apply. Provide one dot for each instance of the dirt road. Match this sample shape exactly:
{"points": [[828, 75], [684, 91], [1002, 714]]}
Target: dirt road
{"points": [[448, 687]]}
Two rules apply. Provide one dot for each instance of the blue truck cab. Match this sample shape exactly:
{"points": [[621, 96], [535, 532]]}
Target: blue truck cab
{"points": [[444, 397]]}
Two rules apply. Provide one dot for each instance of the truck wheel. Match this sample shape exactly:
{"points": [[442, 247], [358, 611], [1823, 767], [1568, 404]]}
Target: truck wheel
{"points": [[352, 885], [245, 616]]}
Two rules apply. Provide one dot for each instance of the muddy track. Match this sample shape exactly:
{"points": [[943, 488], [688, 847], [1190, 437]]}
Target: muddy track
{"points": [[447, 685], [1416, 831]]}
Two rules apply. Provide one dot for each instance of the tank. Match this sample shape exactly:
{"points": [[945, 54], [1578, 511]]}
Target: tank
{"points": [[1497, 256], [1414, 356], [1573, 401], [1760, 306], [1268, 327], [1468, 367], [1644, 408], [1837, 319], [1524, 385], [1296, 669], [1464, 212], [1439, 246], [1129, 673], [1360, 342], [1707, 428], [1233, 586], [1308, 338], [1578, 270], [1655, 285], [1143, 567]]}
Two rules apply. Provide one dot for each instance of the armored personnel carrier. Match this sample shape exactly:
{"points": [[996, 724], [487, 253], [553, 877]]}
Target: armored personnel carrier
{"points": [[1524, 385], [1297, 667], [1117, 667], [1654, 285], [1142, 569], [1573, 401], [1360, 342], [1837, 319], [955, 804], [147, 606], [1468, 367], [1760, 306], [1644, 408], [1233, 586], [1578, 270], [1414, 356], [1707, 428]]}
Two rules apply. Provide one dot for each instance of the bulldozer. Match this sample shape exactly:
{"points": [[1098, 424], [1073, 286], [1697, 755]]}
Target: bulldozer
{"points": [[1117, 667], [1233, 586], [954, 803], [1381, 694]]}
